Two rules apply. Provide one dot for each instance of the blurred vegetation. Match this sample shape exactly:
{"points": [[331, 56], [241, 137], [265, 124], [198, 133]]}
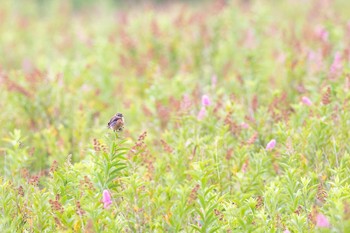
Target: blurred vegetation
{"points": [[269, 70]]}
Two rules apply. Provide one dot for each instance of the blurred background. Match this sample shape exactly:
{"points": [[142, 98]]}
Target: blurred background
{"points": [[67, 66], [266, 151]]}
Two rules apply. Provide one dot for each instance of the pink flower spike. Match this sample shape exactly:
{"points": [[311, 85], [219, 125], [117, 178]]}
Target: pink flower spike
{"points": [[107, 201], [322, 33], [205, 100], [202, 113], [186, 103], [306, 101], [271, 145], [337, 64], [322, 221], [214, 81]]}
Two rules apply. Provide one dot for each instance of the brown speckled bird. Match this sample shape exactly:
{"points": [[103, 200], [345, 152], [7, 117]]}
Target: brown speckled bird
{"points": [[117, 122]]}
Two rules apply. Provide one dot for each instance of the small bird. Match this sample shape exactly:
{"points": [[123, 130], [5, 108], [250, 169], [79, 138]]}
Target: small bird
{"points": [[117, 122]]}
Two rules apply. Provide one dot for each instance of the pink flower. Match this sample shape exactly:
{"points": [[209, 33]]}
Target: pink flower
{"points": [[244, 125], [205, 100], [315, 60], [271, 145], [322, 221], [322, 33], [281, 58], [214, 81], [202, 113], [250, 40], [336, 65], [311, 56], [186, 103], [286, 231], [306, 101], [245, 166], [107, 201]]}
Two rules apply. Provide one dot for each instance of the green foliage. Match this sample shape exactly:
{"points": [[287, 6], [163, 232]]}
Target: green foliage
{"points": [[270, 69]]}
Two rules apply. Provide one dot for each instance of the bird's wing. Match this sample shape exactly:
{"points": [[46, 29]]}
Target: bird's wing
{"points": [[114, 119]]}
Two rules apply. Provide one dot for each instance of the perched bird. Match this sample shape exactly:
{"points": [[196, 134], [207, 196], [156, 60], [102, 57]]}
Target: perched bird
{"points": [[117, 122]]}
